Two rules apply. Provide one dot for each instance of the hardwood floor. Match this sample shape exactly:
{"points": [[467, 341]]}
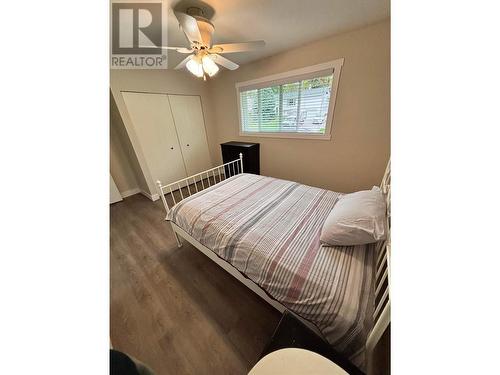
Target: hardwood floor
{"points": [[173, 308]]}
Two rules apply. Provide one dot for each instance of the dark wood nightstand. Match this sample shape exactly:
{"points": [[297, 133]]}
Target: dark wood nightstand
{"points": [[251, 155]]}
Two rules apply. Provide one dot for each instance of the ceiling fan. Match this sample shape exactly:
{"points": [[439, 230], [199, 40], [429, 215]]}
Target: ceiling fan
{"points": [[204, 56]]}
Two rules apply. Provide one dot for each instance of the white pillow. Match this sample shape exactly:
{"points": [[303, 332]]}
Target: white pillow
{"points": [[356, 219]]}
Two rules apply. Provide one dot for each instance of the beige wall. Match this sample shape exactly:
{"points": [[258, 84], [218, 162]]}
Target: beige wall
{"points": [[356, 156], [123, 163], [161, 81]]}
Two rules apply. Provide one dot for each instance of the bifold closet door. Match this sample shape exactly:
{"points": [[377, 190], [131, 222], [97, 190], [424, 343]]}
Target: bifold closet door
{"points": [[188, 118], [155, 129]]}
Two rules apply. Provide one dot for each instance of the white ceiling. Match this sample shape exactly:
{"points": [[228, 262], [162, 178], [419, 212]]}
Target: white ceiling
{"points": [[283, 24]]}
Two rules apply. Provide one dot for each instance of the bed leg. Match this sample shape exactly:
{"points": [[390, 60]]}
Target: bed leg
{"points": [[179, 243], [177, 238]]}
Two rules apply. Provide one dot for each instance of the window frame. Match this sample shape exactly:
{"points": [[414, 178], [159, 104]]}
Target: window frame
{"points": [[335, 65]]}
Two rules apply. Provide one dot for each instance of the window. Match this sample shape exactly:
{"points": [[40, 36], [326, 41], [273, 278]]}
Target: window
{"points": [[296, 104]]}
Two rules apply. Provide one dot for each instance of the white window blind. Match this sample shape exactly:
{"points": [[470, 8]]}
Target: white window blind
{"points": [[298, 103]]}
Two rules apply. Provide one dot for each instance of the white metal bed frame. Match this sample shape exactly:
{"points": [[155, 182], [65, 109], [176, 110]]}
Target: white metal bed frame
{"points": [[208, 178]]}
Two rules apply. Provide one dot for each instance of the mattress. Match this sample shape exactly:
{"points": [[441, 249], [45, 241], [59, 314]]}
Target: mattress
{"points": [[269, 230]]}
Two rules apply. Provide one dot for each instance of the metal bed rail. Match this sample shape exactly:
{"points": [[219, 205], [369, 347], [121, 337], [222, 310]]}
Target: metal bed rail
{"points": [[206, 179]]}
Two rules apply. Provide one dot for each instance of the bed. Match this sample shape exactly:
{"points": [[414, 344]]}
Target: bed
{"points": [[265, 232]]}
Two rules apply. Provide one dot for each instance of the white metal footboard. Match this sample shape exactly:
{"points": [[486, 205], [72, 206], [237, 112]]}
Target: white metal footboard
{"points": [[205, 179]]}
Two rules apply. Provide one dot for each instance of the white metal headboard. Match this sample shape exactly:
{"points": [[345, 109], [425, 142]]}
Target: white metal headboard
{"points": [[382, 312], [205, 179]]}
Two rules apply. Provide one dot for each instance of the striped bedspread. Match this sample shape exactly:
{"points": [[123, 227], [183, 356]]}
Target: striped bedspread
{"points": [[269, 230]]}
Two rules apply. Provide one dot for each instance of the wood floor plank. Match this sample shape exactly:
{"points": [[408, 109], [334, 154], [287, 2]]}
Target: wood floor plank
{"points": [[173, 308]]}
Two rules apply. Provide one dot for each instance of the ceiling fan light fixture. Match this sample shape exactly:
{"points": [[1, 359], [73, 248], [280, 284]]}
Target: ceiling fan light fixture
{"points": [[209, 66], [206, 57], [195, 68]]}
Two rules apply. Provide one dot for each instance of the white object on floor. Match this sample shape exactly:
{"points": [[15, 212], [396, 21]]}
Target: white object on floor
{"points": [[293, 361], [114, 194]]}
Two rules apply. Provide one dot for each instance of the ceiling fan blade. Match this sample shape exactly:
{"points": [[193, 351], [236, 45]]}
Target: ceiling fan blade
{"points": [[183, 63], [177, 49], [237, 47], [224, 62], [190, 27]]}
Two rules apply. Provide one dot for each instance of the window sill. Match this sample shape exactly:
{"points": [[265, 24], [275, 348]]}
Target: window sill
{"points": [[320, 137]]}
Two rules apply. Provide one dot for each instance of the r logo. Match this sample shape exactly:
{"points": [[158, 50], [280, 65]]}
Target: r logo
{"points": [[135, 27]]}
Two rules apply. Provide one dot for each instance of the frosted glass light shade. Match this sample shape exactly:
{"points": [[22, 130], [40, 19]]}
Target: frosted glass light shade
{"points": [[195, 68], [209, 66]]}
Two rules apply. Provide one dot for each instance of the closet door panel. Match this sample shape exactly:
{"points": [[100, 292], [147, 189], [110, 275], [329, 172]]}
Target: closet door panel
{"points": [[190, 125], [154, 126]]}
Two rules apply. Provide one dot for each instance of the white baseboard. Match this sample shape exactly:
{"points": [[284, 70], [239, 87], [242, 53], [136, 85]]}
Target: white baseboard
{"points": [[153, 197], [128, 193], [134, 191]]}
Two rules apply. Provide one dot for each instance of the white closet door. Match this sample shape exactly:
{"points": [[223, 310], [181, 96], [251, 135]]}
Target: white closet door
{"points": [[188, 117], [154, 126]]}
